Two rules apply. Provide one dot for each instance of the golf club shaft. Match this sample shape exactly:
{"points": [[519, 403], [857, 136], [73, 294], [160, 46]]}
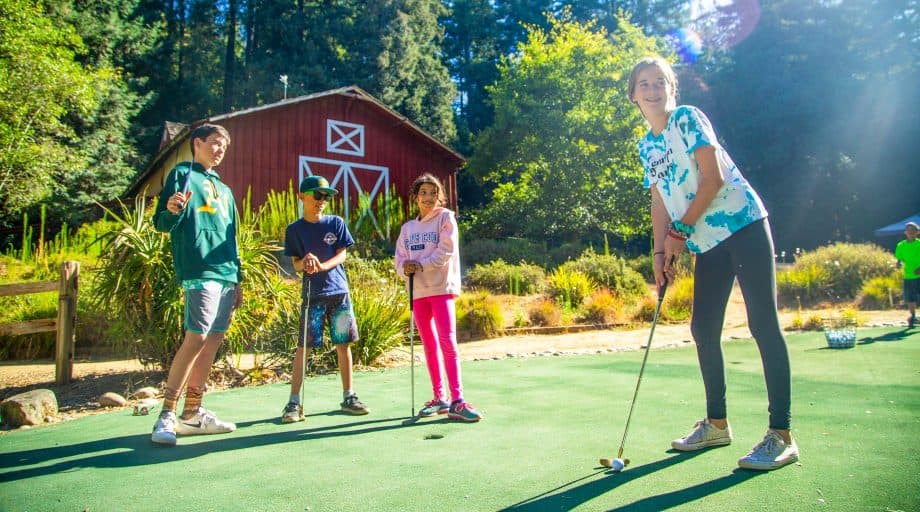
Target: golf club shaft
{"points": [[303, 352], [648, 347], [412, 343]]}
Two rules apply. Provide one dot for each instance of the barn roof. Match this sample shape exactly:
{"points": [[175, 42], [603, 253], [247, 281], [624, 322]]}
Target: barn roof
{"points": [[177, 133]]}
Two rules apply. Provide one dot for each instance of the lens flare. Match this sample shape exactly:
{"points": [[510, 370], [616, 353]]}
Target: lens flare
{"points": [[686, 43]]}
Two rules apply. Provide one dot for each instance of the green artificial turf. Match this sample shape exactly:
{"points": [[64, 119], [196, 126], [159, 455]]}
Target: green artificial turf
{"points": [[856, 416]]}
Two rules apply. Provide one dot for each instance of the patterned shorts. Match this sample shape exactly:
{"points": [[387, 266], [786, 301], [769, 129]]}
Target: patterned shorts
{"points": [[334, 310]]}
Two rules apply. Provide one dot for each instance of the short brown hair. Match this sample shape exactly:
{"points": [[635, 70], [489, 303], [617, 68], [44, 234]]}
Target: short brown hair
{"points": [[204, 131]]}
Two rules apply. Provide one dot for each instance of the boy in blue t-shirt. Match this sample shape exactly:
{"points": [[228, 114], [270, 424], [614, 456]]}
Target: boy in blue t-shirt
{"points": [[317, 246]]}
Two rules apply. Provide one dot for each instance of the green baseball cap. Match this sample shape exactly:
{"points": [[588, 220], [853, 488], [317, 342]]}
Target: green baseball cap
{"points": [[316, 183]]}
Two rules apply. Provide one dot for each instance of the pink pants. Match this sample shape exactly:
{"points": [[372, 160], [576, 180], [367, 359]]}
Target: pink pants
{"points": [[437, 327]]}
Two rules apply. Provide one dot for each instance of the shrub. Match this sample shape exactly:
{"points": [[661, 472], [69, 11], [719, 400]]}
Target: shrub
{"points": [[834, 273], [802, 283], [500, 277], [604, 308], [611, 272], [678, 300], [514, 250], [643, 265], [813, 322], [677, 305], [480, 314], [545, 313], [570, 287], [881, 292]]}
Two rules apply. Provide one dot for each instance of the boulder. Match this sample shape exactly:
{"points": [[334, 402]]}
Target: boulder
{"points": [[148, 392], [29, 408], [111, 399]]}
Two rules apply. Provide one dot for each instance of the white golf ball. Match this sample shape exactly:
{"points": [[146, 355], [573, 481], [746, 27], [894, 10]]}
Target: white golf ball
{"points": [[617, 464]]}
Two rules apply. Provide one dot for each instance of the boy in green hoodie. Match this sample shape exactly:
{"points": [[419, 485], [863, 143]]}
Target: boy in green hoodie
{"points": [[198, 211]]}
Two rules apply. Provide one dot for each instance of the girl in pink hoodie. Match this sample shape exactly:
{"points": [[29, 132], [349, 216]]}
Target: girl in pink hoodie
{"points": [[428, 248]]}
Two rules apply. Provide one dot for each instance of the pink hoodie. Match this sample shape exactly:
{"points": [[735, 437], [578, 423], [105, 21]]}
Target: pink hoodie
{"points": [[435, 243]]}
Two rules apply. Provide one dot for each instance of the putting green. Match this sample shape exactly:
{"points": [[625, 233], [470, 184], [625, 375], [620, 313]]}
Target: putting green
{"points": [[548, 421]]}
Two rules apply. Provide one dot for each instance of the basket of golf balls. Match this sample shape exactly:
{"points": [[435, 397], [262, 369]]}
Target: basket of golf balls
{"points": [[840, 332]]}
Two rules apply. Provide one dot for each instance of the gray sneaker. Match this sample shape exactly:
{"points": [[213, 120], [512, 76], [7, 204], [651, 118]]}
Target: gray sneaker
{"points": [[704, 435], [164, 430], [771, 453], [352, 405], [292, 412]]}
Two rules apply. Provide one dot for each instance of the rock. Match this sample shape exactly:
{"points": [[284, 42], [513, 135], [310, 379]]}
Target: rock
{"points": [[111, 399], [29, 408], [148, 392]]}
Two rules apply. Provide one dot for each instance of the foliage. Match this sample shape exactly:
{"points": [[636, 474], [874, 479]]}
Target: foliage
{"points": [[604, 307], [500, 277], [545, 313], [611, 272], [136, 284], [570, 288], [477, 251], [833, 273], [480, 314], [380, 302], [564, 132], [678, 302], [42, 84], [809, 322], [643, 265], [881, 292]]}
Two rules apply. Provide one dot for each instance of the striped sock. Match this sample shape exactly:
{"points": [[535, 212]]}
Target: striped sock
{"points": [[170, 399], [193, 398]]}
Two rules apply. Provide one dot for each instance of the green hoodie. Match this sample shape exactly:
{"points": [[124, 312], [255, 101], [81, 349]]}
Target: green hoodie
{"points": [[203, 236]]}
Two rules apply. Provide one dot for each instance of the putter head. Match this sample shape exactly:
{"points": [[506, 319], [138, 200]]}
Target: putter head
{"points": [[411, 421]]}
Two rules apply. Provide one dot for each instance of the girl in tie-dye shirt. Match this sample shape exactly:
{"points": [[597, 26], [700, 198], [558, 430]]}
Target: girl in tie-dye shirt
{"points": [[701, 201]]}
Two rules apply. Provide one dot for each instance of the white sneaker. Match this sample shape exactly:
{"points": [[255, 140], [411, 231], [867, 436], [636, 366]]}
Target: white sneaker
{"points": [[164, 430], [704, 435], [203, 422], [771, 453]]}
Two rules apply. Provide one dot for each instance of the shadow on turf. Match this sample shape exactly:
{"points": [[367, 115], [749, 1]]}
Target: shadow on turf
{"points": [[890, 336], [565, 497], [137, 450]]}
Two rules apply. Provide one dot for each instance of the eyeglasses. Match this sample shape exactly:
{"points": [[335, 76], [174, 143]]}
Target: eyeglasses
{"points": [[321, 196]]}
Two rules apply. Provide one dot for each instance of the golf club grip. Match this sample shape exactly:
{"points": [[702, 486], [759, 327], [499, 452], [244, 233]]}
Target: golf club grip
{"points": [[411, 289]]}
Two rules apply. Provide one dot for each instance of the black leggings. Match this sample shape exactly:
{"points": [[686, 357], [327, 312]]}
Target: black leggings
{"points": [[747, 255]]}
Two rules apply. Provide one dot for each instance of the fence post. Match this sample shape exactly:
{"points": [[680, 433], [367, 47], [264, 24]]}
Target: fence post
{"points": [[66, 320]]}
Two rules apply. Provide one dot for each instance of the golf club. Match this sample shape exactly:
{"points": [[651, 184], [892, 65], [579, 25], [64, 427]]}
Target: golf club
{"points": [[303, 353], [619, 463], [412, 416]]}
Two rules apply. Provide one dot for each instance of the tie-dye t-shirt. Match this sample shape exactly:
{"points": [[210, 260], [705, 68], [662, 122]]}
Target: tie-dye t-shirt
{"points": [[669, 165]]}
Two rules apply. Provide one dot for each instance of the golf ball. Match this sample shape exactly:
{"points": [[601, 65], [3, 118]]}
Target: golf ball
{"points": [[617, 464]]}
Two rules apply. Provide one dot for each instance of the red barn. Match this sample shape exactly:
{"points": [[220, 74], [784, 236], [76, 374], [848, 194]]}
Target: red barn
{"points": [[346, 135]]}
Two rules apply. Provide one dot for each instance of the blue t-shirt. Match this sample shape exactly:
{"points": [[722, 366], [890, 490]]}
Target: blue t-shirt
{"points": [[324, 239], [671, 166]]}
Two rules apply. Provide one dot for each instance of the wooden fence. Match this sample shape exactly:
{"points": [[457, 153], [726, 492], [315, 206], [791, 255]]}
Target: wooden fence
{"points": [[65, 322]]}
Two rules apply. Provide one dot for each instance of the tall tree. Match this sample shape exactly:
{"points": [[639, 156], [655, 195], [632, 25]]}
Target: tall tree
{"points": [[42, 83], [411, 77], [117, 37], [833, 129], [560, 158]]}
